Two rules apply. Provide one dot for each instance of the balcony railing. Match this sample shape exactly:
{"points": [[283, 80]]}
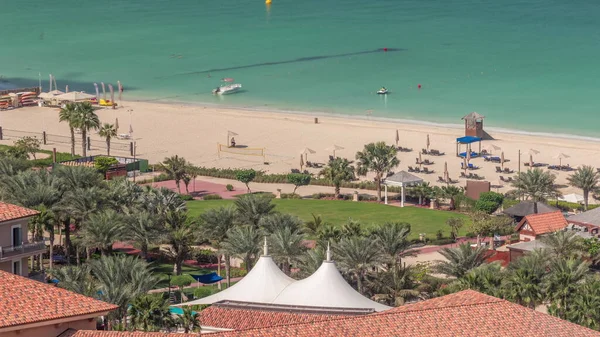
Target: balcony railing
{"points": [[24, 248]]}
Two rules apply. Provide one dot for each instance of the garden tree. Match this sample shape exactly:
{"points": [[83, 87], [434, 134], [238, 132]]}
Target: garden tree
{"points": [[592, 247], [452, 192], [191, 172], [523, 280], [124, 196], [487, 279], [107, 131], [215, 223], [287, 245], [484, 225], [102, 230], [455, 226], [150, 312], [14, 152], [141, 227], [488, 202], [251, 208], [120, 279], [102, 164], [243, 242], [189, 320], [561, 283], [272, 222], [77, 279], [69, 114], [86, 120], [395, 286], [328, 233], [180, 234], [393, 240], [421, 191], [461, 259], [312, 227], [311, 261], [564, 244], [246, 177], [175, 167], [298, 179], [29, 145], [378, 158], [357, 255], [338, 171], [182, 281], [351, 228], [45, 220], [586, 178], [584, 308], [537, 185], [161, 202]]}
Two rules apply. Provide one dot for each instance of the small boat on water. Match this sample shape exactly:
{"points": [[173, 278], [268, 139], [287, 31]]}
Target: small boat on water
{"points": [[227, 89], [382, 91]]}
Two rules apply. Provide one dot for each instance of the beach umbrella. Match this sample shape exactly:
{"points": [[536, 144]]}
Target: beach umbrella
{"points": [[397, 137], [531, 153], [229, 135], [301, 162], [491, 148], [446, 175], [468, 155], [560, 157], [306, 151], [97, 93], [428, 143], [502, 159], [465, 164], [112, 95], [130, 129], [420, 161], [67, 88], [530, 160], [117, 124], [334, 148]]}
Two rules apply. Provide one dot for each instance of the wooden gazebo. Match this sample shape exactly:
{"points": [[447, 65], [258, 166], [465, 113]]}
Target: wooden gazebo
{"points": [[474, 125]]}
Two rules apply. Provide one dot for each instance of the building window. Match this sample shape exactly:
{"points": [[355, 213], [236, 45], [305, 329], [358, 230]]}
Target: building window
{"points": [[16, 237], [16, 267]]}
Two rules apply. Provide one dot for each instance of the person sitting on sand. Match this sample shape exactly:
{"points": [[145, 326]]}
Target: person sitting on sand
{"points": [[232, 142]]}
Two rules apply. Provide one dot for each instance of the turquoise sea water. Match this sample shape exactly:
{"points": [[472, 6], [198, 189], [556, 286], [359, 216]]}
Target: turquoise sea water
{"points": [[524, 64]]}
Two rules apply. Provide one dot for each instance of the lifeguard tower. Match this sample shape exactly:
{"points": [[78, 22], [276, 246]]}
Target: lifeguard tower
{"points": [[474, 125]]}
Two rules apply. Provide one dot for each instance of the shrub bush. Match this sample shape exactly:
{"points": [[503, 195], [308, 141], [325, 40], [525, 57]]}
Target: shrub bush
{"points": [[442, 241], [205, 256], [492, 196], [471, 235], [486, 206], [229, 187], [290, 196], [202, 292], [186, 197], [212, 197], [237, 272]]}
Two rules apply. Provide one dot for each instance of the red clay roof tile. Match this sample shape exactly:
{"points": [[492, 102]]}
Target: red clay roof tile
{"points": [[93, 333], [544, 223], [24, 301], [239, 319], [12, 212]]}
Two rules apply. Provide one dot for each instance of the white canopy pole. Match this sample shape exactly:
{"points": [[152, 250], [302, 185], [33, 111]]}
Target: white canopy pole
{"points": [[402, 192], [386, 199]]}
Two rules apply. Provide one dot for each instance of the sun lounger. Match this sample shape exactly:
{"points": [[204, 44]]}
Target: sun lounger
{"points": [[411, 169], [440, 179], [463, 175], [498, 169], [424, 151], [426, 170], [508, 171]]}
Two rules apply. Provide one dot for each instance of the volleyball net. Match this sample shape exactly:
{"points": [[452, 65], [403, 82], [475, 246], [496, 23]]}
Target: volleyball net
{"points": [[243, 151]]}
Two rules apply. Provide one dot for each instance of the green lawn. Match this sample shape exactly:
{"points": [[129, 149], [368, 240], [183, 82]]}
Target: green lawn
{"points": [[337, 212]]}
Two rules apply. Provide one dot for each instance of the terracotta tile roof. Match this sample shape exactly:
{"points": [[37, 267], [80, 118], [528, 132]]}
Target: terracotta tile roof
{"points": [[239, 319], [13, 212], [24, 301], [467, 313], [94, 333], [544, 223]]}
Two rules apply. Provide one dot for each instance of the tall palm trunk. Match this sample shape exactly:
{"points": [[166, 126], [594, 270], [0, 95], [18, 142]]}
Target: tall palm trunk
{"points": [[219, 269], [68, 247], [337, 191], [144, 251], [586, 193], [84, 142], [228, 269], [108, 146], [51, 248], [72, 140], [359, 282], [378, 182]]}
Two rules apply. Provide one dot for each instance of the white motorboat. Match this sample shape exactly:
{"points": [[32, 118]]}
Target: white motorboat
{"points": [[227, 89], [382, 91]]}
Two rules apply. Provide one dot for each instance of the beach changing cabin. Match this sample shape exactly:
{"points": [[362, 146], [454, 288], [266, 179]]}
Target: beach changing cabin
{"points": [[474, 125]]}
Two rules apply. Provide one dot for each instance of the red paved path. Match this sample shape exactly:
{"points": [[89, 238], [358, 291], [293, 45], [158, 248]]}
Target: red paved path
{"points": [[199, 188]]}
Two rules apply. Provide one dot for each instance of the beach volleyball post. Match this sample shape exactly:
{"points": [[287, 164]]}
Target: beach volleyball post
{"points": [[242, 151]]}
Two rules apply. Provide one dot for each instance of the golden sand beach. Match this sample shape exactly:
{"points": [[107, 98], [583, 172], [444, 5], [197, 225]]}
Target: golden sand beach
{"points": [[193, 131]]}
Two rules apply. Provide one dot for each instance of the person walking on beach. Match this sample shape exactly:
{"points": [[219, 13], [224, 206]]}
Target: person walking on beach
{"points": [[232, 142]]}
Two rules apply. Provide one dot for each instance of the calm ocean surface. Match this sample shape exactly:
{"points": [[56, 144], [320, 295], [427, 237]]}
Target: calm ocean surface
{"points": [[531, 65]]}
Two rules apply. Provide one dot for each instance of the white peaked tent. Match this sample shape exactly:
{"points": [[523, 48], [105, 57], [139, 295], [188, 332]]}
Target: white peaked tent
{"points": [[262, 284], [326, 288]]}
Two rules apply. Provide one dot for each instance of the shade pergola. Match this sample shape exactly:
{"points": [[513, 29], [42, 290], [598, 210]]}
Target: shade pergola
{"points": [[74, 96], [466, 140], [401, 179]]}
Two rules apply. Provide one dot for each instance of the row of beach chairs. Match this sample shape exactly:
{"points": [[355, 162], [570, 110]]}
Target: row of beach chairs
{"points": [[473, 176], [505, 170], [432, 152], [417, 170]]}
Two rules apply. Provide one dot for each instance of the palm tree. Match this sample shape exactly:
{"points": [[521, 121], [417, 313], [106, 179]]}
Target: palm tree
{"points": [[191, 172], [311, 261], [215, 223], [314, 226], [461, 259], [523, 281], [455, 225], [251, 208], [396, 285], [175, 168], [102, 230], [357, 255], [86, 120], [69, 114], [486, 279], [288, 247], [564, 244], [378, 158], [181, 234], [142, 229], [422, 191], [46, 221], [452, 192], [562, 282], [107, 131], [337, 172], [273, 222], [587, 178], [244, 243], [393, 240], [77, 279], [584, 308], [189, 320], [536, 184], [150, 312]]}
